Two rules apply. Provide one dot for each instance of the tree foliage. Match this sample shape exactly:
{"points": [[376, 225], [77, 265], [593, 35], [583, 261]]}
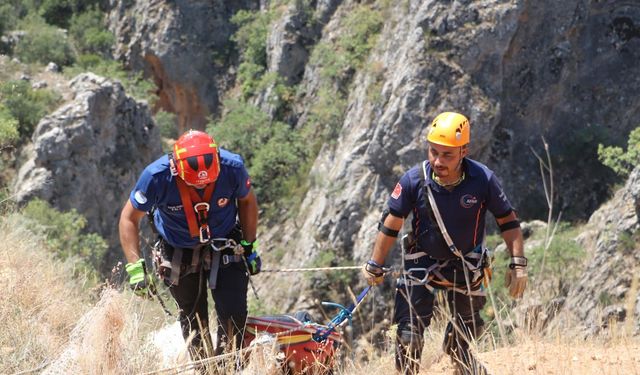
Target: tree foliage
{"points": [[622, 162], [8, 128], [270, 148], [26, 105], [90, 34], [43, 43]]}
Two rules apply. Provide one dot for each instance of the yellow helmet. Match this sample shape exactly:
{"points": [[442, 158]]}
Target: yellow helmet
{"points": [[449, 129]]}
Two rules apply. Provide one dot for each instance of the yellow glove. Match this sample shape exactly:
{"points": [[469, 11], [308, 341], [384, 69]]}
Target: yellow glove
{"points": [[373, 273], [516, 277]]}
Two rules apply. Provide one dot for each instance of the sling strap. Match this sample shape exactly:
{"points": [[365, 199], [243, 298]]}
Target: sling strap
{"points": [[432, 274], [196, 207]]}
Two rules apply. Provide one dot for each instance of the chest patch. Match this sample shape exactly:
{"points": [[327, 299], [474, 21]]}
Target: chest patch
{"points": [[223, 202], [175, 208], [468, 201]]}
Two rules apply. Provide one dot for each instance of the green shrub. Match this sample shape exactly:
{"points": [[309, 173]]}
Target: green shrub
{"points": [[349, 51], [560, 262], [90, 34], [166, 122], [8, 128], [10, 12], [620, 161], [66, 235], [59, 12], [271, 149], [133, 82], [26, 105], [43, 43], [251, 36]]}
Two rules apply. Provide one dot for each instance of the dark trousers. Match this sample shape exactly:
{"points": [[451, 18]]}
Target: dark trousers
{"points": [[230, 299], [413, 312]]}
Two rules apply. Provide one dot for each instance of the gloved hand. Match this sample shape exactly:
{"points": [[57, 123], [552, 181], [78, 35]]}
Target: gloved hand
{"points": [[516, 278], [373, 273], [140, 282], [254, 263]]}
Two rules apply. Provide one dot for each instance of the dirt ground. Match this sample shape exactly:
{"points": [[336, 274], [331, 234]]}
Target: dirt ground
{"points": [[548, 358]]}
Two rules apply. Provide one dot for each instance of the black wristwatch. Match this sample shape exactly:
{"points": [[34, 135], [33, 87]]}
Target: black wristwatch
{"points": [[518, 262]]}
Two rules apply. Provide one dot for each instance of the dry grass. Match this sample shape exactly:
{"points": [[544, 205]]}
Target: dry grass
{"points": [[39, 304], [48, 317]]}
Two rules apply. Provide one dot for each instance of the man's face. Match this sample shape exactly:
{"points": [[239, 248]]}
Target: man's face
{"points": [[444, 159]]}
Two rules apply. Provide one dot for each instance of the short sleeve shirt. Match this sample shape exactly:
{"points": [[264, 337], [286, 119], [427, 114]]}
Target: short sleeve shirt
{"points": [[463, 209], [157, 187]]}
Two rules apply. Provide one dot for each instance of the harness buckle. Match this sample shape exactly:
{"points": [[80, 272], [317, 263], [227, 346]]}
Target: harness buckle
{"points": [[201, 209], [225, 243], [205, 233], [421, 281], [225, 259]]}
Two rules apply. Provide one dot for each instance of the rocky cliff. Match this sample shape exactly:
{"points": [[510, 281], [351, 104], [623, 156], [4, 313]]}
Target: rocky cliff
{"points": [[610, 287], [184, 47], [519, 69], [88, 154]]}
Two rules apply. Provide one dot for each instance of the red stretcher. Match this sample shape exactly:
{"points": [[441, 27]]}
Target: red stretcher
{"points": [[297, 340]]}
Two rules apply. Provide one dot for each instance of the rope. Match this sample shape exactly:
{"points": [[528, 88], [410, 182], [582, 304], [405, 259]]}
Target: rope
{"points": [[192, 365], [313, 269]]}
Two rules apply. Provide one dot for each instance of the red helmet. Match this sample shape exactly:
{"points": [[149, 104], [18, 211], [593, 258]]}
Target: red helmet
{"points": [[196, 157]]}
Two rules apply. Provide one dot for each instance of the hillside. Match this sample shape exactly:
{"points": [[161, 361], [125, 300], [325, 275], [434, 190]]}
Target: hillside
{"points": [[328, 102]]}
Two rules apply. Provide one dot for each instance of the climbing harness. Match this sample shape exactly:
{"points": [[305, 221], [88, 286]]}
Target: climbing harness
{"points": [[195, 206], [475, 264]]}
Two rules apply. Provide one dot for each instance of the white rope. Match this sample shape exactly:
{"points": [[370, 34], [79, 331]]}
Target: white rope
{"points": [[314, 269]]}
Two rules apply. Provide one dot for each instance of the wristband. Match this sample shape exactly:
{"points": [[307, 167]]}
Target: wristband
{"points": [[518, 262]]}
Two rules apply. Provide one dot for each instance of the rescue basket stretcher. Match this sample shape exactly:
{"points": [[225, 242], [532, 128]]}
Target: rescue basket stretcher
{"points": [[298, 342]]}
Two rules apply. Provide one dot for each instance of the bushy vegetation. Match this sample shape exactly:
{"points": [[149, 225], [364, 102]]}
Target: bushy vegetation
{"points": [[65, 235], [251, 39], [133, 82], [271, 149], [620, 161], [279, 156], [348, 52], [25, 105], [43, 43], [57, 30], [90, 34], [8, 128], [167, 124], [551, 271], [337, 61]]}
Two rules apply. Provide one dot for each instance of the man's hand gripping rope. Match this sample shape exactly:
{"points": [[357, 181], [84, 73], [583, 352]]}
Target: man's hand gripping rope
{"points": [[374, 273]]}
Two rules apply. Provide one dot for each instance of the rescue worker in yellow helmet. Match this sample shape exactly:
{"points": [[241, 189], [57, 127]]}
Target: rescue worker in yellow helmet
{"points": [[450, 255]]}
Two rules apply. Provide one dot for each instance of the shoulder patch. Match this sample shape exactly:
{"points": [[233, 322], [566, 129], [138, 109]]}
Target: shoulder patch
{"points": [[397, 191], [140, 197]]}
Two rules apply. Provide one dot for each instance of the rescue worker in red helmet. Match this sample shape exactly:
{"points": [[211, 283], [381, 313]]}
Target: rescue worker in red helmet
{"points": [[448, 195], [205, 213]]}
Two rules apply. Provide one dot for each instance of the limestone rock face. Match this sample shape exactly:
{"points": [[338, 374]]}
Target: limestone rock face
{"points": [[184, 46], [88, 154], [518, 70], [609, 286]]}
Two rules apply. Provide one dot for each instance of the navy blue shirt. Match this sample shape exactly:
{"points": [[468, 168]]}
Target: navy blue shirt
{"points": [[463, 209], [157, 187]]}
